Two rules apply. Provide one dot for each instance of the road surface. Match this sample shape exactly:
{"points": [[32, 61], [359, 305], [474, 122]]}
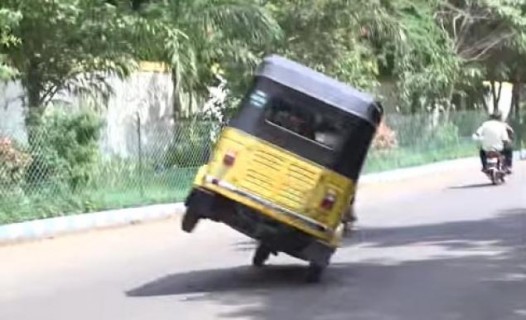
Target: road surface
{"points": [[441, 247]]}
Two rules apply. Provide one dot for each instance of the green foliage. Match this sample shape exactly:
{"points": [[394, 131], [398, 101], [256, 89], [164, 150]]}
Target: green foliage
{"points": [[68, 45], [8, 20], [13, 165], [328, 36], [431, 51], [186, 154], [194, 150], [67, 148], [191, 36], [446, 135]]}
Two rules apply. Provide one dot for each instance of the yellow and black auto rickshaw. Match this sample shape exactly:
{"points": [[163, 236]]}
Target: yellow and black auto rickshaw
{"points": [[284, 169]]}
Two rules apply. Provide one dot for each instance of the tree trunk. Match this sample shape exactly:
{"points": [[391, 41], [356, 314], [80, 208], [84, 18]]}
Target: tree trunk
{"points": [[415, 104], [176, 96], [515, 101], [483, 97], [34, 110], [496, 94]]}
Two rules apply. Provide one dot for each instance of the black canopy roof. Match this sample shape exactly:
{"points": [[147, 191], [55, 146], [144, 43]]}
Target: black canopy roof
{"points": [[321, 87]]}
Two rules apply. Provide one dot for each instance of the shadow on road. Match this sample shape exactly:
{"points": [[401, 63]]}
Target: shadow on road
{"points": [[475, 286], [472, 186], [223, 280]]}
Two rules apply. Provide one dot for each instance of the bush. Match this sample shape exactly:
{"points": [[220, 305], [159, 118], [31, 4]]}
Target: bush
{"points": [[13, 165], [193, 149], [445, 135], [467, 122], [409, 129], [187, 154], [385, 138], [65, 148]]}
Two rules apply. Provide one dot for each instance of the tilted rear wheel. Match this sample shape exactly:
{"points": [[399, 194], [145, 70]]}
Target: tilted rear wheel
{"points": [[261, 255], [190, 220], [494, 177], [314, 273]]}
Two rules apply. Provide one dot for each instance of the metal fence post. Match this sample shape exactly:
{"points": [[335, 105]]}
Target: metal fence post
{"points": [[140, 151]]}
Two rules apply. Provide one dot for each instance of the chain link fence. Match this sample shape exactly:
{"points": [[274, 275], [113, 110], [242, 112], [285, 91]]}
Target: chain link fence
{"points": [[62, 169], [425, 138], [57, 172]]}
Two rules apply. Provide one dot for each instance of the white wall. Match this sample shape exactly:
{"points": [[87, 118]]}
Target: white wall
{"points": [[12, 111], [147, 94], [506, 95]]}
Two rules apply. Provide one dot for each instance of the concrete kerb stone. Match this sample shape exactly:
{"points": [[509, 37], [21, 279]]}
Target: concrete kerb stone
{"points": [[428, 169], [45, 228], [413, 172]]}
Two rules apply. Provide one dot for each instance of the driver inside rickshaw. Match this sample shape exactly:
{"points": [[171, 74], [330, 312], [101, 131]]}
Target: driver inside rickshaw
{"points": [[322, 129], [284, 116], [327, 134]]}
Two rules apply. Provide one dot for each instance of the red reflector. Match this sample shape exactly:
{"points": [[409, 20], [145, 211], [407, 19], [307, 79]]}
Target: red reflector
{"points": [[229, 159], [328, 202]]}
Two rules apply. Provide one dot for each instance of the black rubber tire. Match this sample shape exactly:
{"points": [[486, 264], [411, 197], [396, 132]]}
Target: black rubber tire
{"points": [[494, 178], [314, 273], [189, 222], [261, 256]]}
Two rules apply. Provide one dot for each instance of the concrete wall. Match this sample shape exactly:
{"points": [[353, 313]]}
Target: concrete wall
{"points": [[147, 95], [12, 111]]}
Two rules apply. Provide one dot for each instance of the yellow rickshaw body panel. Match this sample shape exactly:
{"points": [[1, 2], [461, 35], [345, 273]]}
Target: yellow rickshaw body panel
{"points": [[278, 177]]}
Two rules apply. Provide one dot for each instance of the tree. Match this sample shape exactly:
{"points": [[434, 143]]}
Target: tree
{"points": [[329, 36], [201, 33], [418, 55], [366, 42], [487, 36], [477, 27], [8, 20], [68, 45]]}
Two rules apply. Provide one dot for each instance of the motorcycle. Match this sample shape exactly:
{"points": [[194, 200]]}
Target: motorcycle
{"points": [[496, 170]]}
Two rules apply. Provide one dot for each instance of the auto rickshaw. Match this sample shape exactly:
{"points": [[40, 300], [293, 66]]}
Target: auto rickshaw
{"points": [[285, 168]]}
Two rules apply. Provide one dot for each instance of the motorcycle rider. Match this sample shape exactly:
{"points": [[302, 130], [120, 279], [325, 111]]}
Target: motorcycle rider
{"points": [[493, 136]]}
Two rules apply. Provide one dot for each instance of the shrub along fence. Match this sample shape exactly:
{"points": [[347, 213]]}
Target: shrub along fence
{"points": [[61, 169]]}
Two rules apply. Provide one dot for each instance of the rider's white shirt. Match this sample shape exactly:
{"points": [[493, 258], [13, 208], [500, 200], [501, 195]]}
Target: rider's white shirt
{"points": [[492, 135]]}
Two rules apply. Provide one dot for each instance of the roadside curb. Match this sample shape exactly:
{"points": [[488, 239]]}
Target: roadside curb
{"points": [[45, 228], [412, 172]]}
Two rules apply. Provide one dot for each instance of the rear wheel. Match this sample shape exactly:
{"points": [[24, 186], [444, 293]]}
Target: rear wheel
{"points": [[314, 273], [190, 220], [261, 255], [494, 177]]}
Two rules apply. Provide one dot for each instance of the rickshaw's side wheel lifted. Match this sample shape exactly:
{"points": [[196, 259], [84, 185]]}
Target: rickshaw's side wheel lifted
{"points": [[261, 255]]}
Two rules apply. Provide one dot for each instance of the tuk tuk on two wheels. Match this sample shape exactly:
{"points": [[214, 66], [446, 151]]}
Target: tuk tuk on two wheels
{"points": [[285, 168]]}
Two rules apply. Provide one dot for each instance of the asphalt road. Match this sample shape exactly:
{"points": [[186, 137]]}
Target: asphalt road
{"points": [[441, 247]]}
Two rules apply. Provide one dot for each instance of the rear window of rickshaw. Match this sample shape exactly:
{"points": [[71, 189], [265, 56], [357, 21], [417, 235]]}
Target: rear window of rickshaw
{"points": [[305, 121]]}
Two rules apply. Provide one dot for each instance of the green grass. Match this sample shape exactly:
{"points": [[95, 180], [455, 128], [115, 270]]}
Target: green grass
{"points": [[122, 183], [108, 192], [409, 157], [125, 185]]}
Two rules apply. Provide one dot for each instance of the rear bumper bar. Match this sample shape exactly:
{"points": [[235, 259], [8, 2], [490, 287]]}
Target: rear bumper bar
{"points": [[311, 223], [279, 236]]}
